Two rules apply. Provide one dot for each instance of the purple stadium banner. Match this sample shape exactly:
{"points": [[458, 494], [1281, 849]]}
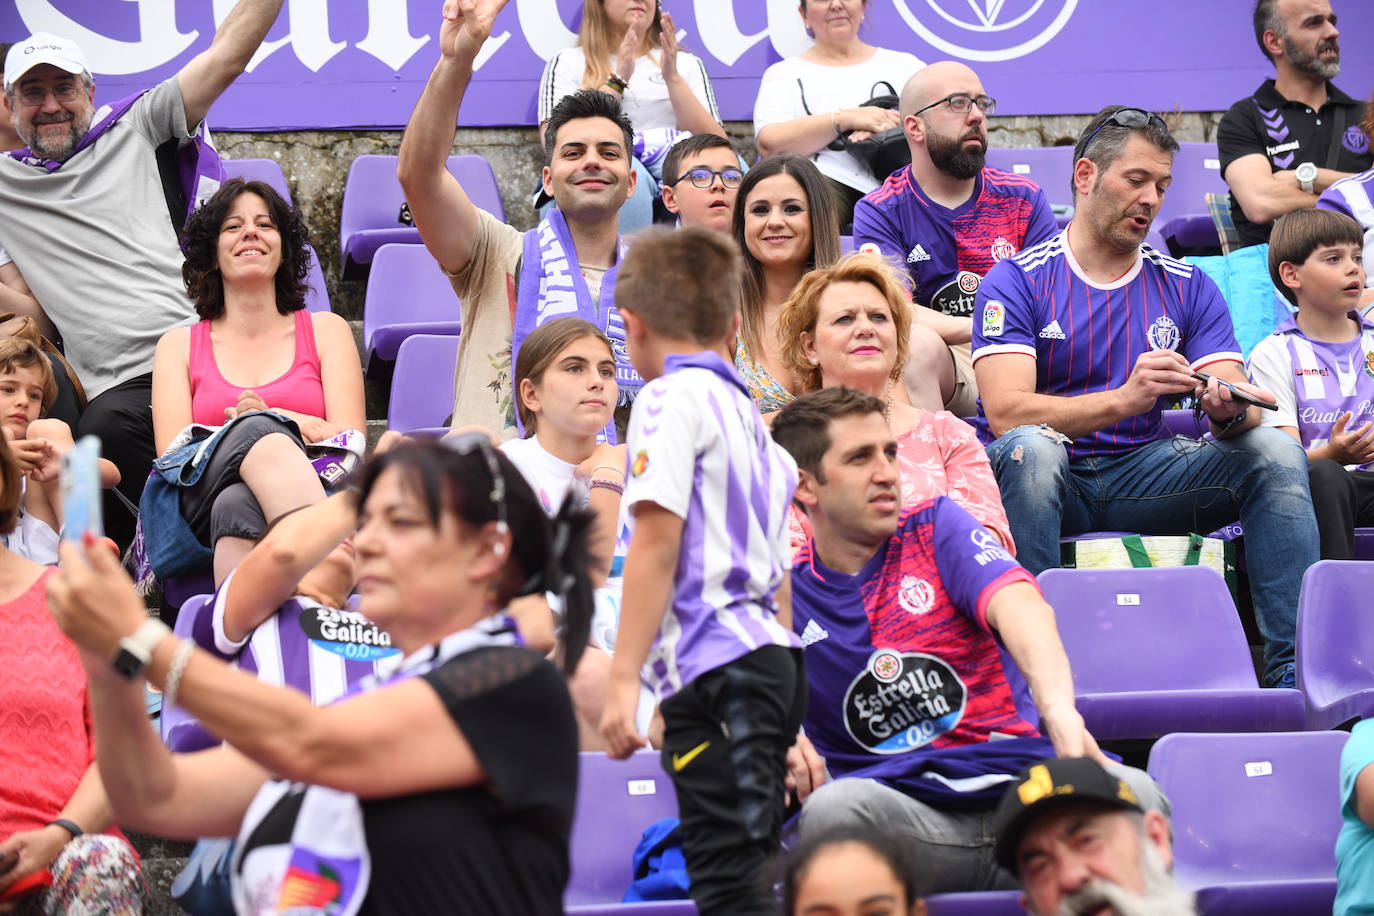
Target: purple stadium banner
{"points": [[362, 63]]}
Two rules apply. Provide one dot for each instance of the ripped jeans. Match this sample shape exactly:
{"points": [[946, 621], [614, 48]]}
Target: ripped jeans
{"points": [[1171, 486]]}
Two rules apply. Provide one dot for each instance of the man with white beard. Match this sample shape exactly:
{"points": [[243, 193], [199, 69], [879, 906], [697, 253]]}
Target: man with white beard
{"points": [[1080, 842], [1297, 134]]}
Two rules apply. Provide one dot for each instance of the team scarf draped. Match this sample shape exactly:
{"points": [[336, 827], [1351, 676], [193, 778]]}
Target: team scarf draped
{"points": [[302, 849], [552, 286], [199, 169]]}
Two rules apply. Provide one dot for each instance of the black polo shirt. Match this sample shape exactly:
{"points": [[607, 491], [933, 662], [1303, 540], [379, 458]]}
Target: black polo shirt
{"points": [[1289, 134]]}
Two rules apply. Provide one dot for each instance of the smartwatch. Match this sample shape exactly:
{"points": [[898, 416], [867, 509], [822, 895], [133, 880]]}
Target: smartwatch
{"points": [[136, 650], [1307, 177]]}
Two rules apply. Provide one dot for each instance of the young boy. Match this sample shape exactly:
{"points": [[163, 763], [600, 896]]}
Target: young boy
{"points": [[706, 573], [1320, 365], [701, 158], [27, 388]]}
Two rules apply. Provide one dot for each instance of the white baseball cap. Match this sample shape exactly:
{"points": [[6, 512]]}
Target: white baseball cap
{"points": [[42, 48]]}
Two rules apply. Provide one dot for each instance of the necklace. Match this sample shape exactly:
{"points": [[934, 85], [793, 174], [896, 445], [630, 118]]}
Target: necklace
{"points": [[887, 405]]}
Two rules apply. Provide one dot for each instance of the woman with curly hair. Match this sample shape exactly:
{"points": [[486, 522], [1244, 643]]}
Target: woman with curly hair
{"points": [[256, 351]]}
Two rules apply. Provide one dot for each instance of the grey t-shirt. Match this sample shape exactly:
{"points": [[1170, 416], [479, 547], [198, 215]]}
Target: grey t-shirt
{"points": [[96, 244]]}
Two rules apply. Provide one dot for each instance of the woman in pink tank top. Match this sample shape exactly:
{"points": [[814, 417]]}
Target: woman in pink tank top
{"points": [[255, 348]]}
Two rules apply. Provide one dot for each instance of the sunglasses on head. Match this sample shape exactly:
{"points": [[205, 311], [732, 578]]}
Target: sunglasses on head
{"points": [[466, 444], [1126, 117]]}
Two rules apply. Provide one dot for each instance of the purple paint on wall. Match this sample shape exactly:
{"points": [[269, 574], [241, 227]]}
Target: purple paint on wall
{"points": [[362, 63]]}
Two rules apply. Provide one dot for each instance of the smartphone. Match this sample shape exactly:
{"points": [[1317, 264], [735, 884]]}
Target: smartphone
{"points": [[80, 488], [1236, 392]]}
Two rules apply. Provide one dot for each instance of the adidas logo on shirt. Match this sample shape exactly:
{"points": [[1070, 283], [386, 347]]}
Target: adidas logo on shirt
{"points": [[813, 632], [917, 254], [1052, 331]]}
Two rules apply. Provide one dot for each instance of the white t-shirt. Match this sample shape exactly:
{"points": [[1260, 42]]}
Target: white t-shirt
{"points": [[829, 89], [548, 475], [4, 256], [645, 101]]}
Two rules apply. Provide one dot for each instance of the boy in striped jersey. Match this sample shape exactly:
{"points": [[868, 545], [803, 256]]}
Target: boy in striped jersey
{"points": [[1354, 196], [1320, 365], [1076, 341], [706, 612]]}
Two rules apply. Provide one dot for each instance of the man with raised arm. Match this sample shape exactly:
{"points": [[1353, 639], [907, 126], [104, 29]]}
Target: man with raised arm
{"points": [[1075, 341], [565, 266], [88, 222]]}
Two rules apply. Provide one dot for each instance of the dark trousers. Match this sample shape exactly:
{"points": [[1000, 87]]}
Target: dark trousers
{"points": [[1342, 501], [725, 742], [122, 417]]}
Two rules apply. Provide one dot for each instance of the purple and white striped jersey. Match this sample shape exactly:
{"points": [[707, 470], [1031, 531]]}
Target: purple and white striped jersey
{"points": [[1354, 196], [1085, 336], [321, 651], [699, 449], [1315, 381]]}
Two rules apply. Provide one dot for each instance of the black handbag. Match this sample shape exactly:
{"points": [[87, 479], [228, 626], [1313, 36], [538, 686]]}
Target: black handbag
{"points": [[884, 152]]}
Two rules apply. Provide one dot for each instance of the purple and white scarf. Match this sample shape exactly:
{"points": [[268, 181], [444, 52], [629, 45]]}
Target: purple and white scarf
{"points": [[552, 286]]}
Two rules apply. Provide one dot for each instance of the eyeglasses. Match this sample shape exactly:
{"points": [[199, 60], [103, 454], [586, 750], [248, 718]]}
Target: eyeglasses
{"points": [[1126, 117], [703, 177], [466, 444], [961, 103], [67, 92]]}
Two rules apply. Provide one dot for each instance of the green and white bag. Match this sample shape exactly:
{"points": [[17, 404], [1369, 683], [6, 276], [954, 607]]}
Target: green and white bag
{"points": [[1137, 551]]}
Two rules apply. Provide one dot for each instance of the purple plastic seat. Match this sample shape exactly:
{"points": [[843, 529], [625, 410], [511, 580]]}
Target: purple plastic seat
{"points": [[1182, 423], [616, 800], [407, 294], [656, 908], [181, 731], [1336, 642], [846, 244], [1255, 819], [1183, 218], [1162, 650], [422, 386], [372, 199], [1364, 543], [1051, 167], [979, 903]]}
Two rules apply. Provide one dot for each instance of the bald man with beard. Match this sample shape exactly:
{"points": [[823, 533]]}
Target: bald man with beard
{"points": [[947, 216]]}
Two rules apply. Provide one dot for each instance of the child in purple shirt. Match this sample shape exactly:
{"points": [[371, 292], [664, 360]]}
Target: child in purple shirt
{"points": [[706, 614], [1320, 365]]}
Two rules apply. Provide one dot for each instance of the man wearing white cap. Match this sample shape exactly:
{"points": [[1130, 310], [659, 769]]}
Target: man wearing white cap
{"points": [[88, 220]]}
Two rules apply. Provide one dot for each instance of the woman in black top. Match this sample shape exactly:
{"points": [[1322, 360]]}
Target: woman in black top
{"points": [[449, 784]]}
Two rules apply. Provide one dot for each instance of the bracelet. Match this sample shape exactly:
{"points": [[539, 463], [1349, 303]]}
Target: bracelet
{"points": [[69, 826], [1223, 428], [616, 83], [174, 672], [609, 467], [835, 123], [614, 486]]}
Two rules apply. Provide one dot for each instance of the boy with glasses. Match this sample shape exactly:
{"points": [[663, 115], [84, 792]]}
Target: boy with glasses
{"points": [[948, 217], [701, 176]]}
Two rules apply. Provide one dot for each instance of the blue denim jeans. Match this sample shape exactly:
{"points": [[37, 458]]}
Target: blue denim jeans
{"points": [[1172, 486]]}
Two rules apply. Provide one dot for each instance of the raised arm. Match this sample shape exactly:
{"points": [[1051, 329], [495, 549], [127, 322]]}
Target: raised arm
{"points": [[691, 113], [446, 218], [1025, 622], [210, 72], [16, 297]]}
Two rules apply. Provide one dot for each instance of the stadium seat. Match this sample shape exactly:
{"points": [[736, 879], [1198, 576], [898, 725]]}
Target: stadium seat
{"points": [[1183, 218], [1051, 167], [407, 294], [1364, 543], [980, 903], [1219, 208], [656, 908], [1183, 423], [846, 244], [422, 386], [616, 800], [1336, 642], [270, 173], [373, 200], [1162, 650], [1255, 819]]}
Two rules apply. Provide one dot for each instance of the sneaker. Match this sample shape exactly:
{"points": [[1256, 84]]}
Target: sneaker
{"points": [[1288, 677]]}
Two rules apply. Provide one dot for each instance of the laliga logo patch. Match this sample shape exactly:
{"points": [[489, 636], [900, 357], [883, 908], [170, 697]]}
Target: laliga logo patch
{"points": [[902, 701], [641, 463], [1001, 249], [997, 30], [916, 596], [1163, 334], [993, 317]]}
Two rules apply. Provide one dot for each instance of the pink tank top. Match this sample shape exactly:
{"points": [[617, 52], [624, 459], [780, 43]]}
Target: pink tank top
{"points": [[299, 390]]}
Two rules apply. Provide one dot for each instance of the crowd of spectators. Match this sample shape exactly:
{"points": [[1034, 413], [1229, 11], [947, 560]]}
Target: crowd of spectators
{"points": [[712, 486]]}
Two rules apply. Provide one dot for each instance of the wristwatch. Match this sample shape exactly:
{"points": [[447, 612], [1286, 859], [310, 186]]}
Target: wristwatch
{"points": [[1307, 177], [136, 650]]}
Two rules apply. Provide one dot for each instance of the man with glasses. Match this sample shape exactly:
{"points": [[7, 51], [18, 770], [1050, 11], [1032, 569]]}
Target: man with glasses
{"points": [[87, 221], [701, 176], [1075, 342], [1297, 134], [948, 217]]}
